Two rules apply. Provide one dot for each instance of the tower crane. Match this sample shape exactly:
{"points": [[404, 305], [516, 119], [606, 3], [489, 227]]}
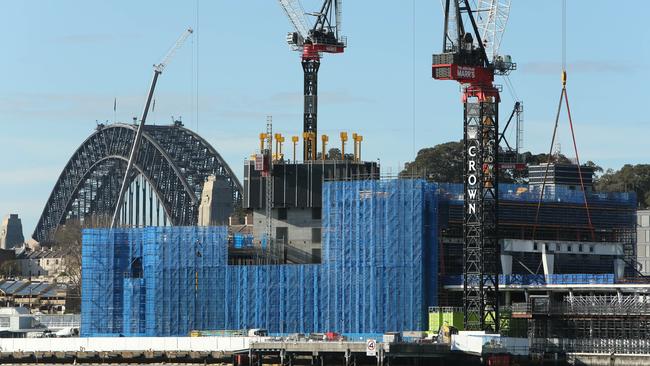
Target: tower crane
{"points": [[465, 59], [157, 70], [323, 36]]}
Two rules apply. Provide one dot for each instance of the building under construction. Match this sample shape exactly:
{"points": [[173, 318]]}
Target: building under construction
{"points": [[378, 272], [333, 248]]}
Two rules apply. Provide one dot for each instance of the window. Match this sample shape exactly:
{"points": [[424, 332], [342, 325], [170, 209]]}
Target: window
{"points": [[282, 213], [316, 213], [591, 249], [282, 234], [315, 255], [647, 236], [647, 250], [535, 246], [568, 248], [580, 247], [136, 268], [645, 220], [315, 235]]}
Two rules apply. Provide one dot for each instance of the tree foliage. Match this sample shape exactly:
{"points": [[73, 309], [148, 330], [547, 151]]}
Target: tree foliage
{"points": [[634, 178], [335, 154], [441, 163], [10, 268], [68, 240], [444, 163]]}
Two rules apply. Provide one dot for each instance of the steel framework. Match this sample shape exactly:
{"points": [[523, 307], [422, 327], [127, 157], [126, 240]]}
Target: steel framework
{"points": [[173, 161], [481, 244], [491, 19], [591, 324], [464, 59]]}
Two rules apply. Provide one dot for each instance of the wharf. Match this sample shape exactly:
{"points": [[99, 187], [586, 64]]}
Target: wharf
{"points": [[349, 353]]}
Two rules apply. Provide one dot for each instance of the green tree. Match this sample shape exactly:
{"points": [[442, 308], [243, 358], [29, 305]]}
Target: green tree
{"points": [[634, 178], [441, 163], [444, 163]]}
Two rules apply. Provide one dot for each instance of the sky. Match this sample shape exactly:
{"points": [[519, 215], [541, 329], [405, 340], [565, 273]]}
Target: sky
{"points": [[63, 62]]}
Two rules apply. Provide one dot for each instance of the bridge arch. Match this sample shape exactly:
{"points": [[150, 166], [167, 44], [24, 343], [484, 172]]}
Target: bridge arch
{"points": [[173, 161]]}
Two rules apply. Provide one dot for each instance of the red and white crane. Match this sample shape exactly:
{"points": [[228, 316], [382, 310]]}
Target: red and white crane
{"points": [[465, 59], [323, 37]]}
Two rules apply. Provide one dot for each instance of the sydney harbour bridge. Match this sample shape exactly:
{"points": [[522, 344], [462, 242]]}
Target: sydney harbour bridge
{"points": [[164, 187]]}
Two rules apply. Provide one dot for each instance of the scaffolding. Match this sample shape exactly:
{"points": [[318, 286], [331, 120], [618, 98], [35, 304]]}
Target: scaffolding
{"points": [[379, 272], [562, 217], [591, 323]]}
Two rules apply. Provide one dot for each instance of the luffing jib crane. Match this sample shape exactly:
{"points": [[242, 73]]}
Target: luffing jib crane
{"points": [[323, 36], [157, 70], [464, 59]]}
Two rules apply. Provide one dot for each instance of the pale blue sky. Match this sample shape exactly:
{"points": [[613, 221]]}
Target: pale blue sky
{"points": [[64, 61]]}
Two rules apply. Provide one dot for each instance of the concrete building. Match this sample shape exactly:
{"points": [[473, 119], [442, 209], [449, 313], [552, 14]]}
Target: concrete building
{"points": [[643, 240], [297, 202], [11, 232], [216, 206]]}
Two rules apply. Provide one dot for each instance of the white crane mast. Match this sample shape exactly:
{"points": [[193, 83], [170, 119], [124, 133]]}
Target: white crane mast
{"points": [[492, 18]]}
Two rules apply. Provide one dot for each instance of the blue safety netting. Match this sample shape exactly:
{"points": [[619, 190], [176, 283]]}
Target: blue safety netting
{"points": [[105, 260], [374, 254], [560, 207], [242, 240], [558, 194], [379, 272]]}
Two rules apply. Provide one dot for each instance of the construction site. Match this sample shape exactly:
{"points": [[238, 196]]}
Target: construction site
{"points": [[320, 257]]}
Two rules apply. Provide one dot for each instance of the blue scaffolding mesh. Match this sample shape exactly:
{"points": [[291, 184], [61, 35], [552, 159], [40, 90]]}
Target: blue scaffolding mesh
{"points": [[105, 260], [374, 254], [379, 272], [559, 194]]}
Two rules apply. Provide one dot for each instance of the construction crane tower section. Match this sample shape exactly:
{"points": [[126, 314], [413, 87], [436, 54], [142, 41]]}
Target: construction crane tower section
{"points": [[323, 37], [464, 59]]}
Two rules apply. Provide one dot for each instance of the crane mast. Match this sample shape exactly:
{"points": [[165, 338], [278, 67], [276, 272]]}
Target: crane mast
{"points": [[464, 59], [323, 37]]}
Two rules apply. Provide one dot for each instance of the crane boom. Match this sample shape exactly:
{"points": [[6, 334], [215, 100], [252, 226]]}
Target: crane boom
{"points": [[133, 156], [338, 8], [179, 43], [296, 14], [492, 18]]}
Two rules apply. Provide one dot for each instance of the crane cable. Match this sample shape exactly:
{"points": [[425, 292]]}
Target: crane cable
{"points": [[565, 97]]}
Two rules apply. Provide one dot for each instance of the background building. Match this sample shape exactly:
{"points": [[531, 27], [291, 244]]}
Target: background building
{"points": [[11, 232]]}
